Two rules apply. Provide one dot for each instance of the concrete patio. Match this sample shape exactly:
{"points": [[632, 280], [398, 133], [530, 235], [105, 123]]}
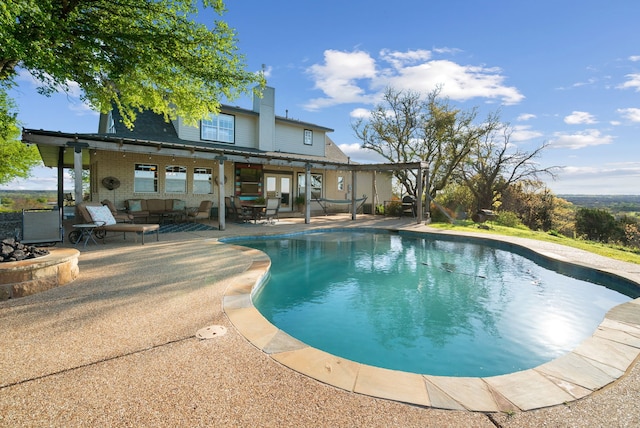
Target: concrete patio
{"points": [[117, 347]]}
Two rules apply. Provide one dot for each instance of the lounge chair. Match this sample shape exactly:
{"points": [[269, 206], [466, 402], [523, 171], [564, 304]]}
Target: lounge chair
{"points": [[203, 211], [120, 216], [101, 216]]}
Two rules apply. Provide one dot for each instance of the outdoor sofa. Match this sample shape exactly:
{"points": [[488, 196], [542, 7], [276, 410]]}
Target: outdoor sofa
{"points": [[158, 208]]}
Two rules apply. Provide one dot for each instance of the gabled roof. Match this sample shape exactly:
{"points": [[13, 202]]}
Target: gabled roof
{"points": [[151, 131]]}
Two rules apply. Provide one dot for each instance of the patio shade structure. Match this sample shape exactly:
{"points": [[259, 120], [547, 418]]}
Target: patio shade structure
{"points": [[69, 150]]}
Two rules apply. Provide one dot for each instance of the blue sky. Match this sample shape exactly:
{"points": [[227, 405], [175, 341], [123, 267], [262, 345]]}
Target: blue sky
{"points": [[562, 72]]}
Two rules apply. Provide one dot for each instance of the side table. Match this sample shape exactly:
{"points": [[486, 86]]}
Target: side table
{"points": [[83, 231]]}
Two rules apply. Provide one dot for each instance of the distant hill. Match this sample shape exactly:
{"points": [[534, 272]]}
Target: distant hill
{"points": [[615, 203]]}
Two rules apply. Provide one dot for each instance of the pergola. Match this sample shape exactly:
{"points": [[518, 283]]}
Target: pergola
{"points": [[66, 150]]}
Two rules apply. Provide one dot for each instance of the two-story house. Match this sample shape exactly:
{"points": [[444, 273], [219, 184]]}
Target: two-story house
{"points": [[243, 153]]}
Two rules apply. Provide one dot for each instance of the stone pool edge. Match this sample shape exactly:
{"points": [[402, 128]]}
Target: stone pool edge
{"points": [[598, 361]]}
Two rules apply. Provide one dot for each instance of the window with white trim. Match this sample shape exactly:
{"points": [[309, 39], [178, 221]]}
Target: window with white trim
{"points": [[308, 137], [175, 179], [202, 184], [219, 127], [145, 178]]}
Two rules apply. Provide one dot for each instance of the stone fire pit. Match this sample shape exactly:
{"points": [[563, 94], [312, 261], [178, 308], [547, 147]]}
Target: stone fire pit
{"points": [[29, 276]]}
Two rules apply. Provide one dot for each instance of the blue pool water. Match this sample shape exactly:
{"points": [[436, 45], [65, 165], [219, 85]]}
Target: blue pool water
{"points": [[426, 305]]}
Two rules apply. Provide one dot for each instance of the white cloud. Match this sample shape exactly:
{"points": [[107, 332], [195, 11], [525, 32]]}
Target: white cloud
{"points": [[587, 138], [634, 58], [579, 117], [525, 116], [458, 82], [357, 154], [346, 77], [338, 78], [632, 82], [360, 113], [524, 133], [400, 60], [632, 114]]}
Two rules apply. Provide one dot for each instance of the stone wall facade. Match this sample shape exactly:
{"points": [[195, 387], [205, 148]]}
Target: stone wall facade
{"points": [[10, 225]]}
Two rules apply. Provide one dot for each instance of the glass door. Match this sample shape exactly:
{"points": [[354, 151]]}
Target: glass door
{"points": [[279, 186]]}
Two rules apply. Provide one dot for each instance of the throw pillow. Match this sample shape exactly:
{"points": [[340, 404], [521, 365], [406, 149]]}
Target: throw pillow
{"points": [[179, 205], [135, 205], [101, 215]]}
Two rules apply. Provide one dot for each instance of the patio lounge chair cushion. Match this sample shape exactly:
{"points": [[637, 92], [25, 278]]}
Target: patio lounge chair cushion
{"points": [[101, 215]]}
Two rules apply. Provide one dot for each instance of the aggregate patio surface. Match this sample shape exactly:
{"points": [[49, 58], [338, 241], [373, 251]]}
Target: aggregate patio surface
{"points": [[118, 347]]}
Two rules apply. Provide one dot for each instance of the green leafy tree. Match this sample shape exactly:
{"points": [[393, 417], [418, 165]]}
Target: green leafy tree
{"points": [[135, 55], [16, 159], [148, 54]]}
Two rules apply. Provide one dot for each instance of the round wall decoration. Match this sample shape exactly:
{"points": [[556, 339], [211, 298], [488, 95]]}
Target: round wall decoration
{"points": [[224, 180], [111, 183]]}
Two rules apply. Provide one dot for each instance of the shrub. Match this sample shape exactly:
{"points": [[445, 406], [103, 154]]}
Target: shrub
{"points": [[508, 219], [597, 225], [394, 208]]}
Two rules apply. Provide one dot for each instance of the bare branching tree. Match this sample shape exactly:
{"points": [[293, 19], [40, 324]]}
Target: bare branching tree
{"points": [[494, 164]]}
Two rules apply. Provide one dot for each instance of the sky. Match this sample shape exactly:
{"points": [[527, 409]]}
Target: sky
{"points": [[564, 73]]}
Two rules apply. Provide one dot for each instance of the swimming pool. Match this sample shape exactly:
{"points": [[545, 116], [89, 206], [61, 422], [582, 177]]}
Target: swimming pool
{"points": [[425, 305]]}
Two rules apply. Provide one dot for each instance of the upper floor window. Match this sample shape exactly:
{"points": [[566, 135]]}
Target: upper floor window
{"points": [[145, 178], [175, 180], [219, 127], [308, 137]]}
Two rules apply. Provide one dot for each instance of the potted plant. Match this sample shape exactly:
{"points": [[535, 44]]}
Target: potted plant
{"points": [[299, 201]]}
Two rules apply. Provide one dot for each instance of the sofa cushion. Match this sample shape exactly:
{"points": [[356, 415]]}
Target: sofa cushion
{"points": [[101, 215], [134, 205], [156, 205]]}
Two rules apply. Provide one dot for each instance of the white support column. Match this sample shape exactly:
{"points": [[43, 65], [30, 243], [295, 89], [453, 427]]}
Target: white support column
{"points": [[77, 168], [307, 193], [353, 193], [222, 212], [419, 192]]}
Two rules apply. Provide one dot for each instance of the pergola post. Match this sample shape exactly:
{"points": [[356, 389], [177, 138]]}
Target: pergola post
{"points": [[61, 178], [354, 182], [222, 212], [77, 167], [419, 192], [307, 193]]}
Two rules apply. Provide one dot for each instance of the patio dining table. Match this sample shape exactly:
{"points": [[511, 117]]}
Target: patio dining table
{"points": [[256, 210]]}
